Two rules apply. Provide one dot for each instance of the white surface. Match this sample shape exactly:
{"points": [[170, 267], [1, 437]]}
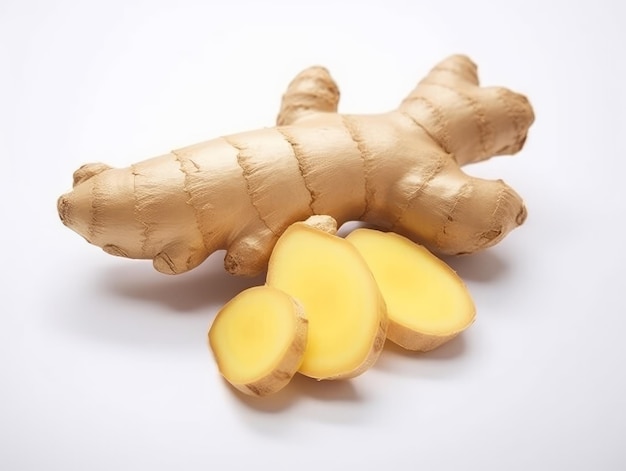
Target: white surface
{"points": [[103, 362]]}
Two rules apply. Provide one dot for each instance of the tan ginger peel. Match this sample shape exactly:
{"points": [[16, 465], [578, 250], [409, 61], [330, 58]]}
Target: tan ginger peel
{"points": [[399, 171]]}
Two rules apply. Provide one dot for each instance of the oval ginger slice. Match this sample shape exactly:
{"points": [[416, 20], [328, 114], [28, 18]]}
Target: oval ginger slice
{"points": [[258, 339], [427, 302], [346, 312]]}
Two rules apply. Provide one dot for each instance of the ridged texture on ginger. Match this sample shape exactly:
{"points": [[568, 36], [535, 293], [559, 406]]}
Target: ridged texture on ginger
{"points": [[258, 340], [427, 302], [346, 312], [399, 170]]}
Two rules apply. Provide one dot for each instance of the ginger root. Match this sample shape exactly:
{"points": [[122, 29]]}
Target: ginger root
{"points": [[344, 307], [258, 339], [427, 302], [399, 171]]}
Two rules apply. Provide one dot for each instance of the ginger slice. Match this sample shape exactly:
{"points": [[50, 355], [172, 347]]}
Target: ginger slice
{"points": [[427, 302], [346, 312], [258, 340]]}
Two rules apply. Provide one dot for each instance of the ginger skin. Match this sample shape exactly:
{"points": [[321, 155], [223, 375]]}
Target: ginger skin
{"points": [[399, 171]]}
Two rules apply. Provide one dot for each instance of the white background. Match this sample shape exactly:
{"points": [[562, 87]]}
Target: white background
{"points": [[103, 361]]}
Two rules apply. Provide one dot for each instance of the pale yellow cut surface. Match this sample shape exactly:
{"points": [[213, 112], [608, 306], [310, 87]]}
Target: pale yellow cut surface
{"points": [[427, 302], [258, 339], [346, 313]]}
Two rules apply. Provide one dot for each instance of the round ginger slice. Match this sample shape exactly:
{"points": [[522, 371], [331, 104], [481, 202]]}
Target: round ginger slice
{"points": [[258, 339], [346, 312], [427, 302]]}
